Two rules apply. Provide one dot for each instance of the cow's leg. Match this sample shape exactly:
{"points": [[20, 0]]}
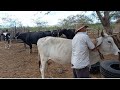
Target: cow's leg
{"points": [[46, 69], [42, 68], [5, 44], [39, 61], [30, 48], [25, 45], [8, 44], [43, 65]]}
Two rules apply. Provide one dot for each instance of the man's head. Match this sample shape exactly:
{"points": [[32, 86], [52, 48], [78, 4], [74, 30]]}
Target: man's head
{"points": [[81, 28]]}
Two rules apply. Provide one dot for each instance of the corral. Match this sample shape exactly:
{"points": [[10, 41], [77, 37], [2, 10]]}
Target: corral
{"points": [[16, 62]]}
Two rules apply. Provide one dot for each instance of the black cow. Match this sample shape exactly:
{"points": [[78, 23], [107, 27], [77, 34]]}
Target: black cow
{"points": [[55, 33], [6, 37], [48, 33], [30, 38], [69, 33]]}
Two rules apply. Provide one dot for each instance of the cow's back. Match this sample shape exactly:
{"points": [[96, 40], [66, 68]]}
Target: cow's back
{"points": [[34, 36], [56, 49]]}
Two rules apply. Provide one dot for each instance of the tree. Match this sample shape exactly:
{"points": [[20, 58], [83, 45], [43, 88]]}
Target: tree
{"points": [[38, 20], [72, 20], [10, 22], [105, 20], [41, 23], [106, 17]]}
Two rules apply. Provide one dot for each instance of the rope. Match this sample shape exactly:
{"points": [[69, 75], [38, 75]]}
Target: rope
{"points": [[96, 47]]}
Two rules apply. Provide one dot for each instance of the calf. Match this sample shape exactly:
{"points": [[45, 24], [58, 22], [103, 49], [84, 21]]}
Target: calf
{"points": [[7, 39]]}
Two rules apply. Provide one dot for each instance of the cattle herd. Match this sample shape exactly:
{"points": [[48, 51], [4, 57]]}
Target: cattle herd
{"points": [[56, 45], [30, 38]]}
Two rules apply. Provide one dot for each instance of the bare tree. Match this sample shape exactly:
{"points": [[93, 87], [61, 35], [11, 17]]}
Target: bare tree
{"points": [[105, 20]]}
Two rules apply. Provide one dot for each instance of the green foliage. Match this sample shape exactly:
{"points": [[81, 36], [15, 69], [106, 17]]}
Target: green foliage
{"points": [[45, 28], [71, 21], [97, 26]]}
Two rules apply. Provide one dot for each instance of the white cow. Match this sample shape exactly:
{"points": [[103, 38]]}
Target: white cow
{"points": [[60, 50]]}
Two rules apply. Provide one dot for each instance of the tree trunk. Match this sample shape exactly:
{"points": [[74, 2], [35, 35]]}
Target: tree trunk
{"points": [[105, 20], [108, 29]]}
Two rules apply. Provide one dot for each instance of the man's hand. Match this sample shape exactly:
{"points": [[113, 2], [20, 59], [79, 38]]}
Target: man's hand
{"points": [[95, 43]]}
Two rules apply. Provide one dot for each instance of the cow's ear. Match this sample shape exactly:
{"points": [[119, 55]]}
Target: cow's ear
{"points": [[104, 34], [99, 41]]}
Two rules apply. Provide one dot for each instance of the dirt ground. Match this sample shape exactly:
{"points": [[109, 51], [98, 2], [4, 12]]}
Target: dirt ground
{"points": [[17, 62]]}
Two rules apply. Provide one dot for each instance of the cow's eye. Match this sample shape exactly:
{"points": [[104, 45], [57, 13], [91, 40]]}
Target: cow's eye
{"points": [[109, 41]]}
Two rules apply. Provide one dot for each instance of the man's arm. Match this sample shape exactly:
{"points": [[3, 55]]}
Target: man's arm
{"points": [[91, 44]]}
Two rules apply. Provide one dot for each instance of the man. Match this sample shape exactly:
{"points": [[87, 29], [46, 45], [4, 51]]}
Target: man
{"points": [[81, 43]]}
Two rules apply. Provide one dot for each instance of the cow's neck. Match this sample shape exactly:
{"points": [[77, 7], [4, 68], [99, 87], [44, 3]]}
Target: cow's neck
{"points": [[96, 55]]}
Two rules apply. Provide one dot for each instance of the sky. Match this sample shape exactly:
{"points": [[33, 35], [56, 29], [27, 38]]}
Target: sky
{"points": [[27, 17]]}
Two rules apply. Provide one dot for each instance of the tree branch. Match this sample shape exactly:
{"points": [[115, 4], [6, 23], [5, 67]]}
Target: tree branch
{"points": [[100, 17]]}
